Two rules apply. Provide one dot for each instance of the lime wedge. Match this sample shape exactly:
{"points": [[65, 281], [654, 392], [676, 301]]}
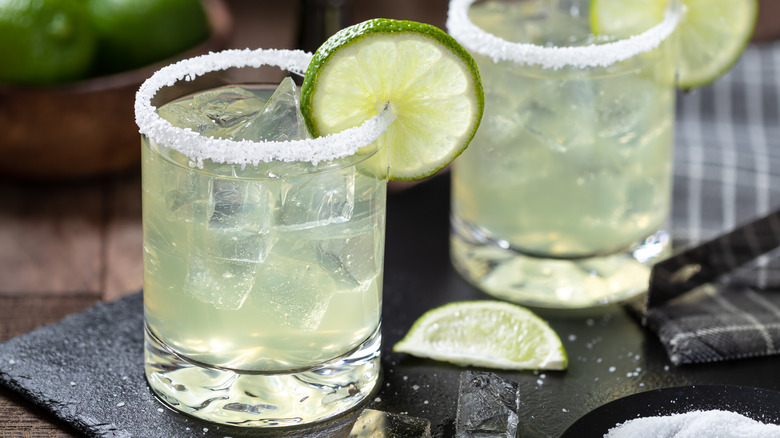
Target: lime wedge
{"points": [[492, 334], [416, 70], [711, 35]]}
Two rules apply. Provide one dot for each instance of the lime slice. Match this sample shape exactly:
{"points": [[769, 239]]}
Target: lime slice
{"points": [[711, 35], [416, 70], [492, 334]]}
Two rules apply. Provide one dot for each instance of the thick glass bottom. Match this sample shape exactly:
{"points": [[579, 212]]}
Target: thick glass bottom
{"points": [[529, 279], [263, 400]]}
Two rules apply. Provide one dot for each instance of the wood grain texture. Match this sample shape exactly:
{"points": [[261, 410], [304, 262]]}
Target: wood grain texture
{"points": [[50, 238]]}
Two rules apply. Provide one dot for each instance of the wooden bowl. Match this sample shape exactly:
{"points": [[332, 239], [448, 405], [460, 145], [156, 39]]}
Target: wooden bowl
{"points": [[86, 128]]}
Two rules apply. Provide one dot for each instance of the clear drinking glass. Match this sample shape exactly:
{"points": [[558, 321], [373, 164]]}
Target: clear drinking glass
{"points": [[561, 199], [263, 261]]}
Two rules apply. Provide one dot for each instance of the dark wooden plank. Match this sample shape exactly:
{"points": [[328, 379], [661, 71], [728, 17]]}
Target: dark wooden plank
{"points": [[20, 418], [21, 314], [123, 237], [50, 237]]}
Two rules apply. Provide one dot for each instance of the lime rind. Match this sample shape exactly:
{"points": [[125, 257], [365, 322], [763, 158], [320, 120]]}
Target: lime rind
{"points": [[699, 67], [418, 70], [491, 334]]}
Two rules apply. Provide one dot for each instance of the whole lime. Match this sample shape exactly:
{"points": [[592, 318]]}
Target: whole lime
{"points": [[135, 33], [44, 41]]}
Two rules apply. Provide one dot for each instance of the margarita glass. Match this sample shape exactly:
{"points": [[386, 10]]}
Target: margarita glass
{"points": [[263, 260], [562, 197]]}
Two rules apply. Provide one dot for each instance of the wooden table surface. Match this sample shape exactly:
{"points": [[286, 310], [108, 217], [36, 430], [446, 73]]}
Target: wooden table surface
{"points": [[65, 246]]}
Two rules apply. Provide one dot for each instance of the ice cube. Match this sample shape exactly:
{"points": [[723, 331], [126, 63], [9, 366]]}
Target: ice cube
{"points": [[240, 204], [354, 261], [215, 113], [184, 192], [280, 119], [294, 288], [560, 115], [220, 282], [378, 424], [487, 406], [239, 234], [623, 105], [317, 200], [241, 216]]}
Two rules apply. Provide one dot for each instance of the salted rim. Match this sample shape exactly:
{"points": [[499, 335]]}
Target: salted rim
{"points": [[601, 55], [243, 152]]}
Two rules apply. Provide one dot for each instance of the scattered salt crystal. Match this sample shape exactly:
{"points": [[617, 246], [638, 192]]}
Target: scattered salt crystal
{"points": [[539, 382], [72, 383], [666, 367], [415, 387], [205, 429], [564, 410], [120, 404], [722, 424], [572, 338], [612, 369], [160, 410], [11, 361], [482, 42], [199, 148], [377, 400]]}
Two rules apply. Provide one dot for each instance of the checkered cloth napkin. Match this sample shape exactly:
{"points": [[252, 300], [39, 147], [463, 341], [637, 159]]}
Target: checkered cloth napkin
{"points": [[727, 173]]}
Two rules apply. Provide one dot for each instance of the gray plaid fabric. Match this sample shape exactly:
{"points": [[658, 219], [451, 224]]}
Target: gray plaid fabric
{"points": [[727, 173]]}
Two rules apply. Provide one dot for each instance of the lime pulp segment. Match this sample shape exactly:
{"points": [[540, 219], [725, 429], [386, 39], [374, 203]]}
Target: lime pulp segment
{"points": [[492, 334], [415, 70]]}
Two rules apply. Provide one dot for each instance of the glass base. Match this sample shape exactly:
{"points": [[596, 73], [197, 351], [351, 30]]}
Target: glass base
{"points": [[499, 270], [263, 400]]}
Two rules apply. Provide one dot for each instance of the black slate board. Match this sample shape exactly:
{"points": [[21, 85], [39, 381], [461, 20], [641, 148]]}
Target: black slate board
{"points": [[88, 370], [611, 355]]}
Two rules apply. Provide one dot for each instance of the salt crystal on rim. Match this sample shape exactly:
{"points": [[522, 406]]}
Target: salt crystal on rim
{"points": [[477, 40], [199, 148]]}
